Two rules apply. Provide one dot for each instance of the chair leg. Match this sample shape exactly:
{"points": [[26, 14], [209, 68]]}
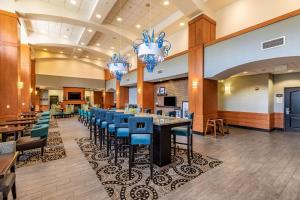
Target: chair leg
{"points": [[14, 190], [42, 151], [107, 144], [130, 159], [116, 150], [100, 137], [174, 145], [192, 155], [91, 133], [151, 159]]}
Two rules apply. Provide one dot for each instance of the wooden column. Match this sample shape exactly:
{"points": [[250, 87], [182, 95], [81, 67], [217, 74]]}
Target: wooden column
{"points": [[9, 65], [122, 95], [25, 71], [202, 92], [145, 90], [98, 98], [108, 99], [33, 82]]}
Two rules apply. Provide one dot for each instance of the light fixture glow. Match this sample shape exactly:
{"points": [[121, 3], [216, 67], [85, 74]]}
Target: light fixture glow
{"points": [[290, 70], [128, 55], [20, 84], [30, 90], [181, 24], [61, 52], [74, 56], [119, 19], [82, 43], [8, 106], [138, 26], [90, 30], [65, 36], [112, 48], [98, 16], [79, 49], [118, 66], [87, 56], [73, 2], [45, 49], [98, 44], [166, 3], [227, 89], [245, 72], [194, 84]]}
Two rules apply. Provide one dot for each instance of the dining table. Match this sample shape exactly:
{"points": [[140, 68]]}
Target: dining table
{"points": [[5, 131], [7, 162], [28, 114], [17, 123], [19, 119], [162, 126]]}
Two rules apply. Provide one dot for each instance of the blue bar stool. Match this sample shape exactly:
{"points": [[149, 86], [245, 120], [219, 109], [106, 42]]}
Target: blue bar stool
{"points": [[140, 133], [122, 132], [102, 124], [185, 131]]}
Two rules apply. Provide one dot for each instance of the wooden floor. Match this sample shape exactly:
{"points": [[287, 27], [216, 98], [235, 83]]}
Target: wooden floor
{"points": [[257, 165]]}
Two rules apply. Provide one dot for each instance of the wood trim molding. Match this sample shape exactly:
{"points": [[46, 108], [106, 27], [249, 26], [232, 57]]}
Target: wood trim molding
{"points": [[176, 55], [202, 16], [266, 121], [255, 27], [10, 14]]}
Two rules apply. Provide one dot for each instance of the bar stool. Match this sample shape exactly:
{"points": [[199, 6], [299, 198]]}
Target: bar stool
{"points": [[188, 133], [140, 133], [147, 110], [109, 118], [102, 125], [122, 132]]}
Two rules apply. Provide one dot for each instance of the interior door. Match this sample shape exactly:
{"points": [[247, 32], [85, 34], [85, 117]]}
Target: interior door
{"points": [[53, 100], [292, 109]]}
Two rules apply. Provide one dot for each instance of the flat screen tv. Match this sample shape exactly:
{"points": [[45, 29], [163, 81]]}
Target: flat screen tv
{"points": [[170, 101], [74, 96]]}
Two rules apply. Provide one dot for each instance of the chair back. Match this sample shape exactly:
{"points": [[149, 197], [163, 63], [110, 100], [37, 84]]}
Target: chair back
{"points": [[140, 125], [147, 110], [40, 130], [102, 115], [121, 120], [159, 112], [109, 117], [172, 114]]}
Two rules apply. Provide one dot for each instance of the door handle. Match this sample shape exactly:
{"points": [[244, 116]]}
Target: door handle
{"points": [[287, 110]]}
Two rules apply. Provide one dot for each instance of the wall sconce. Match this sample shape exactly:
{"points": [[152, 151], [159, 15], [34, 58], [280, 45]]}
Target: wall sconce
{"points": [[194, 84], [139, 90], [7, 106], [117, 92], [20, 84], [36, 92], [30, 90], [227, 89], [23, 104]]}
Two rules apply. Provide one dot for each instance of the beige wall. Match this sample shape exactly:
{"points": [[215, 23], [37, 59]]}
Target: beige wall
{"points": [[244, 13], [179, 41], [69, 68], [244, 97]]}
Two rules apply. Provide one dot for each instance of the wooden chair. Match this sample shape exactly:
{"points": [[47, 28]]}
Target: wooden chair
{"points": [[216, 125]]}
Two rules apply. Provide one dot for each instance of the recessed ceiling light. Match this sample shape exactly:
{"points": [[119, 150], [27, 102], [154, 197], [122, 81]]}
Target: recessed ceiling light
{"points": [[181, 24], [90, 30], [99, 59], [138, 26], [112, 47], [245, 72], [65, 36], [73, 2], [61, 52], [128, 54], [166, 3], [74, 56], [98, 44], [98, 16], [119, 19], [82, 43], [79, 49], [45, 49], [87, 56]]}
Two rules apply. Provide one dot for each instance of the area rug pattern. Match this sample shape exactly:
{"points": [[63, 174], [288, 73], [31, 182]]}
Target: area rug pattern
{"points": [[116, 180], [53, 151]]}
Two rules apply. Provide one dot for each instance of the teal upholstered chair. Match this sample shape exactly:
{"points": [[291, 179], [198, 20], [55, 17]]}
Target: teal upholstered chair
{"points": [[37, 139], [185, 131], [7, 182], [122, 131], [102, 126], [43, 121], [140, 133]]}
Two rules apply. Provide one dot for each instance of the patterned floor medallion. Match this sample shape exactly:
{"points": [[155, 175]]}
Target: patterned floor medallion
{"points": [[53, 151], [116, 179]]}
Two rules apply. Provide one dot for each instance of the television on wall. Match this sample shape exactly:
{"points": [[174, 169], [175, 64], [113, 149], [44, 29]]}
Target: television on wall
{"points": [[74, 96], [169, 101]]}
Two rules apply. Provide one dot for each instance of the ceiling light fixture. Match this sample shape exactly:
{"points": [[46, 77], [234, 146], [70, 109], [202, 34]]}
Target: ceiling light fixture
{"points": [[181, 24], [73, 2], [82, 43], [61, 52], [74, 56], [45, 49], [87, 56], [65, 36], [112, 48], [90, 30], [98, 16], [98, 44], [245, 72], [138, 26], [119, 19], [166, 3], [118, 66], [79, 49]]}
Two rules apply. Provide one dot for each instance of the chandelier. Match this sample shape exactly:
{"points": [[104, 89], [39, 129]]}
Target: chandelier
{"points": [[118, 66], [150, 50]]}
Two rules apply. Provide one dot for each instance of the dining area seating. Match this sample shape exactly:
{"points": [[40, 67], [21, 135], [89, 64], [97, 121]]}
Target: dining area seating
{"points": [[126, 134]]}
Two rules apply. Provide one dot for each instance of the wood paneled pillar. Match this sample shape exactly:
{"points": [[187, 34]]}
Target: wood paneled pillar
{"points": [[33, 83], [202, 92], [145, 90], [9, 65], [122, 95], [108, 99], [25, 72]]}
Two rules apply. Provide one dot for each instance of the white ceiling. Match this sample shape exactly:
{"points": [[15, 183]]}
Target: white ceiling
{"points": [[68, 25]]}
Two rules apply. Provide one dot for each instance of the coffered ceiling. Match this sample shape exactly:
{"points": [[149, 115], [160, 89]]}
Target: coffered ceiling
{"points": [[94, 29]]}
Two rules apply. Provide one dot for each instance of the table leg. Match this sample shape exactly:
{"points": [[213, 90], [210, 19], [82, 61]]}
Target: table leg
{"points": [[162, 146]]}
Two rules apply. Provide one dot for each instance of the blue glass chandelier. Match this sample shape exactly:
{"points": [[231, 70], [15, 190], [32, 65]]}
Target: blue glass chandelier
{"points": [[151, 51], [118, 66]]}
